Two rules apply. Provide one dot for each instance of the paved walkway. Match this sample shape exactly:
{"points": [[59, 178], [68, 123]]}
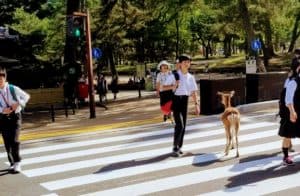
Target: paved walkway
{"points": [[127, 110]]}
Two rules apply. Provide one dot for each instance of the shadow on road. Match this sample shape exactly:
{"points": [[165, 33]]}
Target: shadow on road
{"points": [[4, 172], [260, 175], [133, 163]]}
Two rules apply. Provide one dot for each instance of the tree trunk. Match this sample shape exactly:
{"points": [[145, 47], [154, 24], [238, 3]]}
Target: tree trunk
{"points": [[244, 12], [295, 34], [177, 36], [108, 6], [227, 45], [111, 61], [207, 48], [268, 49]]}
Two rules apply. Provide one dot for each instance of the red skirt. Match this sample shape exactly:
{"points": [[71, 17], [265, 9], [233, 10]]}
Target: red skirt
{"points": [[166, 101]]}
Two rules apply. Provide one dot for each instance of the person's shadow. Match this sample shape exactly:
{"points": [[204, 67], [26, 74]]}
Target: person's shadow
{"points": [[4, 172], [132, 163], [236, 182]]}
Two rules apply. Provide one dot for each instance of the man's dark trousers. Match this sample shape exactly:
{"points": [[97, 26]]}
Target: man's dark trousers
{"points": [[10, 133], [180, 105]]}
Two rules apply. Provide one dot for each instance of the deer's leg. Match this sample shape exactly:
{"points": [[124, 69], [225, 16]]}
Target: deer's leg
{"points": [[237, 128], [228, 139]]}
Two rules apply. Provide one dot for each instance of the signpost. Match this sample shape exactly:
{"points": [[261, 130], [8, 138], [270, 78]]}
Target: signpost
{"points": [[251, 62], [97, 53], [256, 45], [251, 65]]}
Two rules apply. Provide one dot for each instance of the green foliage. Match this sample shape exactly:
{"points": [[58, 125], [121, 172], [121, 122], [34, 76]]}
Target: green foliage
{"points": [[28, 23], [149, 30]]}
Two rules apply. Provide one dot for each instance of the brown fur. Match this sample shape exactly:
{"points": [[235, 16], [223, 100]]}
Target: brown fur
{"points": [[231, 121]]}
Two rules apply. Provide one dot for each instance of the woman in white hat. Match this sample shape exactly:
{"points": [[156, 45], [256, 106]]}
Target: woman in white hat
{"points": [[165, 84]]}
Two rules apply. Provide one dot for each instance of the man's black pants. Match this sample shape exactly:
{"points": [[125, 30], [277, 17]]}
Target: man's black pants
{"points": [[10, 129], [180, 105]]}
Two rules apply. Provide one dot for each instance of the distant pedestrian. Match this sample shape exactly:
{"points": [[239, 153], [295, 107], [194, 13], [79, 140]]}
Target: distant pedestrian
{"points": [[187, 87], [290, 123], [296, 57], [114, 86], [102, 88], [12, 99], [165, 84]]}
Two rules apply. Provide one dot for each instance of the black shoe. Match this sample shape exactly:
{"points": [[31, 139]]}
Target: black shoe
{"points": [[169, 116], [175, 154], [165, 118]]}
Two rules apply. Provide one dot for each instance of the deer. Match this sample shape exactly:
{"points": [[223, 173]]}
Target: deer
{"points": [[231, 121]]}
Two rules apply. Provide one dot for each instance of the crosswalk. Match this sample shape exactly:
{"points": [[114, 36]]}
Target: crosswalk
{"points": [[139, 162]]}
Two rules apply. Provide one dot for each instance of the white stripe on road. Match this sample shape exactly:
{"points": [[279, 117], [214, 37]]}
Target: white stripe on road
{"points": [[193, 178], [93, 151], [143, 169], [115, 139], [261, 187], [200, 125], [137, 155]]}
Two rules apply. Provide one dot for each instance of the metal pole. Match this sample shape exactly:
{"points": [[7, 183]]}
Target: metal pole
{"points": [[89, 65]]}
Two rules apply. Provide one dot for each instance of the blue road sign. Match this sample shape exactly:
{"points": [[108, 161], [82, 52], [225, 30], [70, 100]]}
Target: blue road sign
{"points": [[256, 45], [96, 53]]}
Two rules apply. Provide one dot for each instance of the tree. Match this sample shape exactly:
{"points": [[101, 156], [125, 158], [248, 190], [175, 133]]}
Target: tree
{"points": [[204, 28], [296, 27]]}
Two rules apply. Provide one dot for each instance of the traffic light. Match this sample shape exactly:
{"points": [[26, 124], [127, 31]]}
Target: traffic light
{"points": [[75, 26]]}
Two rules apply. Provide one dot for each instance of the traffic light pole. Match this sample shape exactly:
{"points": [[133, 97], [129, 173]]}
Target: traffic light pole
{"points": [[89, 63]]}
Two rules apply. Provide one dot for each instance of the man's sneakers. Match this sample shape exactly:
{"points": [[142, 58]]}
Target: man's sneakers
{"points": [[177, 152], [11, 167], [15, 168], [288, 161]]}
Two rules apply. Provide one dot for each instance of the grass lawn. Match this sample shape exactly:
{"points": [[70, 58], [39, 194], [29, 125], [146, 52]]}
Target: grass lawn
{"points": [[218, 64]]}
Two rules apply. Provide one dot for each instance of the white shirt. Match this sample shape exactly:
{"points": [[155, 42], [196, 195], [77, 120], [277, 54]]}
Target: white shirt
{"points": [[22, 98], [291, 86], [187, 84], [165, 78]]}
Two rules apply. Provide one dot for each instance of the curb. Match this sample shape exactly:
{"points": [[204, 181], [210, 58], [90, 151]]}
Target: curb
{"points": [[251, 107]]}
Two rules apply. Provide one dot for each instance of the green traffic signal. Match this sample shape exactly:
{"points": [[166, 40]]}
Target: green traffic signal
{"points": [[77, 32]]}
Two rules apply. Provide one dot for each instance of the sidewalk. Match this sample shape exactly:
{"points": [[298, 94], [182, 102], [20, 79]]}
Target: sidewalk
{"points": [[37, 120]]}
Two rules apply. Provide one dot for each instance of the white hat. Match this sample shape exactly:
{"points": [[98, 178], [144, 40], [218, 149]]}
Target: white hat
{"points": [[164, 62]]}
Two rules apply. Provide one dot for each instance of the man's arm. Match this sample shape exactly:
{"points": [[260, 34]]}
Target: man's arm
{"points": [[197, 104]]}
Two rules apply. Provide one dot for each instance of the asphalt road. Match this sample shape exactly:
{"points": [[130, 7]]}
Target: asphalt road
{"points": [[137, 161]]}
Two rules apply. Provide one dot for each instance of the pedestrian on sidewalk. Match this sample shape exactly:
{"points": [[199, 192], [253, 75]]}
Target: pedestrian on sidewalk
{"points": [[102, 88], [165, 84], [187, 87], [114, 86], [290, 123], [12, 99]]}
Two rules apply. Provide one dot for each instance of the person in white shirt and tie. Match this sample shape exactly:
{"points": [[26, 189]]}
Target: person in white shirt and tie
{"points": [[187, 86], [12, 99]]}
